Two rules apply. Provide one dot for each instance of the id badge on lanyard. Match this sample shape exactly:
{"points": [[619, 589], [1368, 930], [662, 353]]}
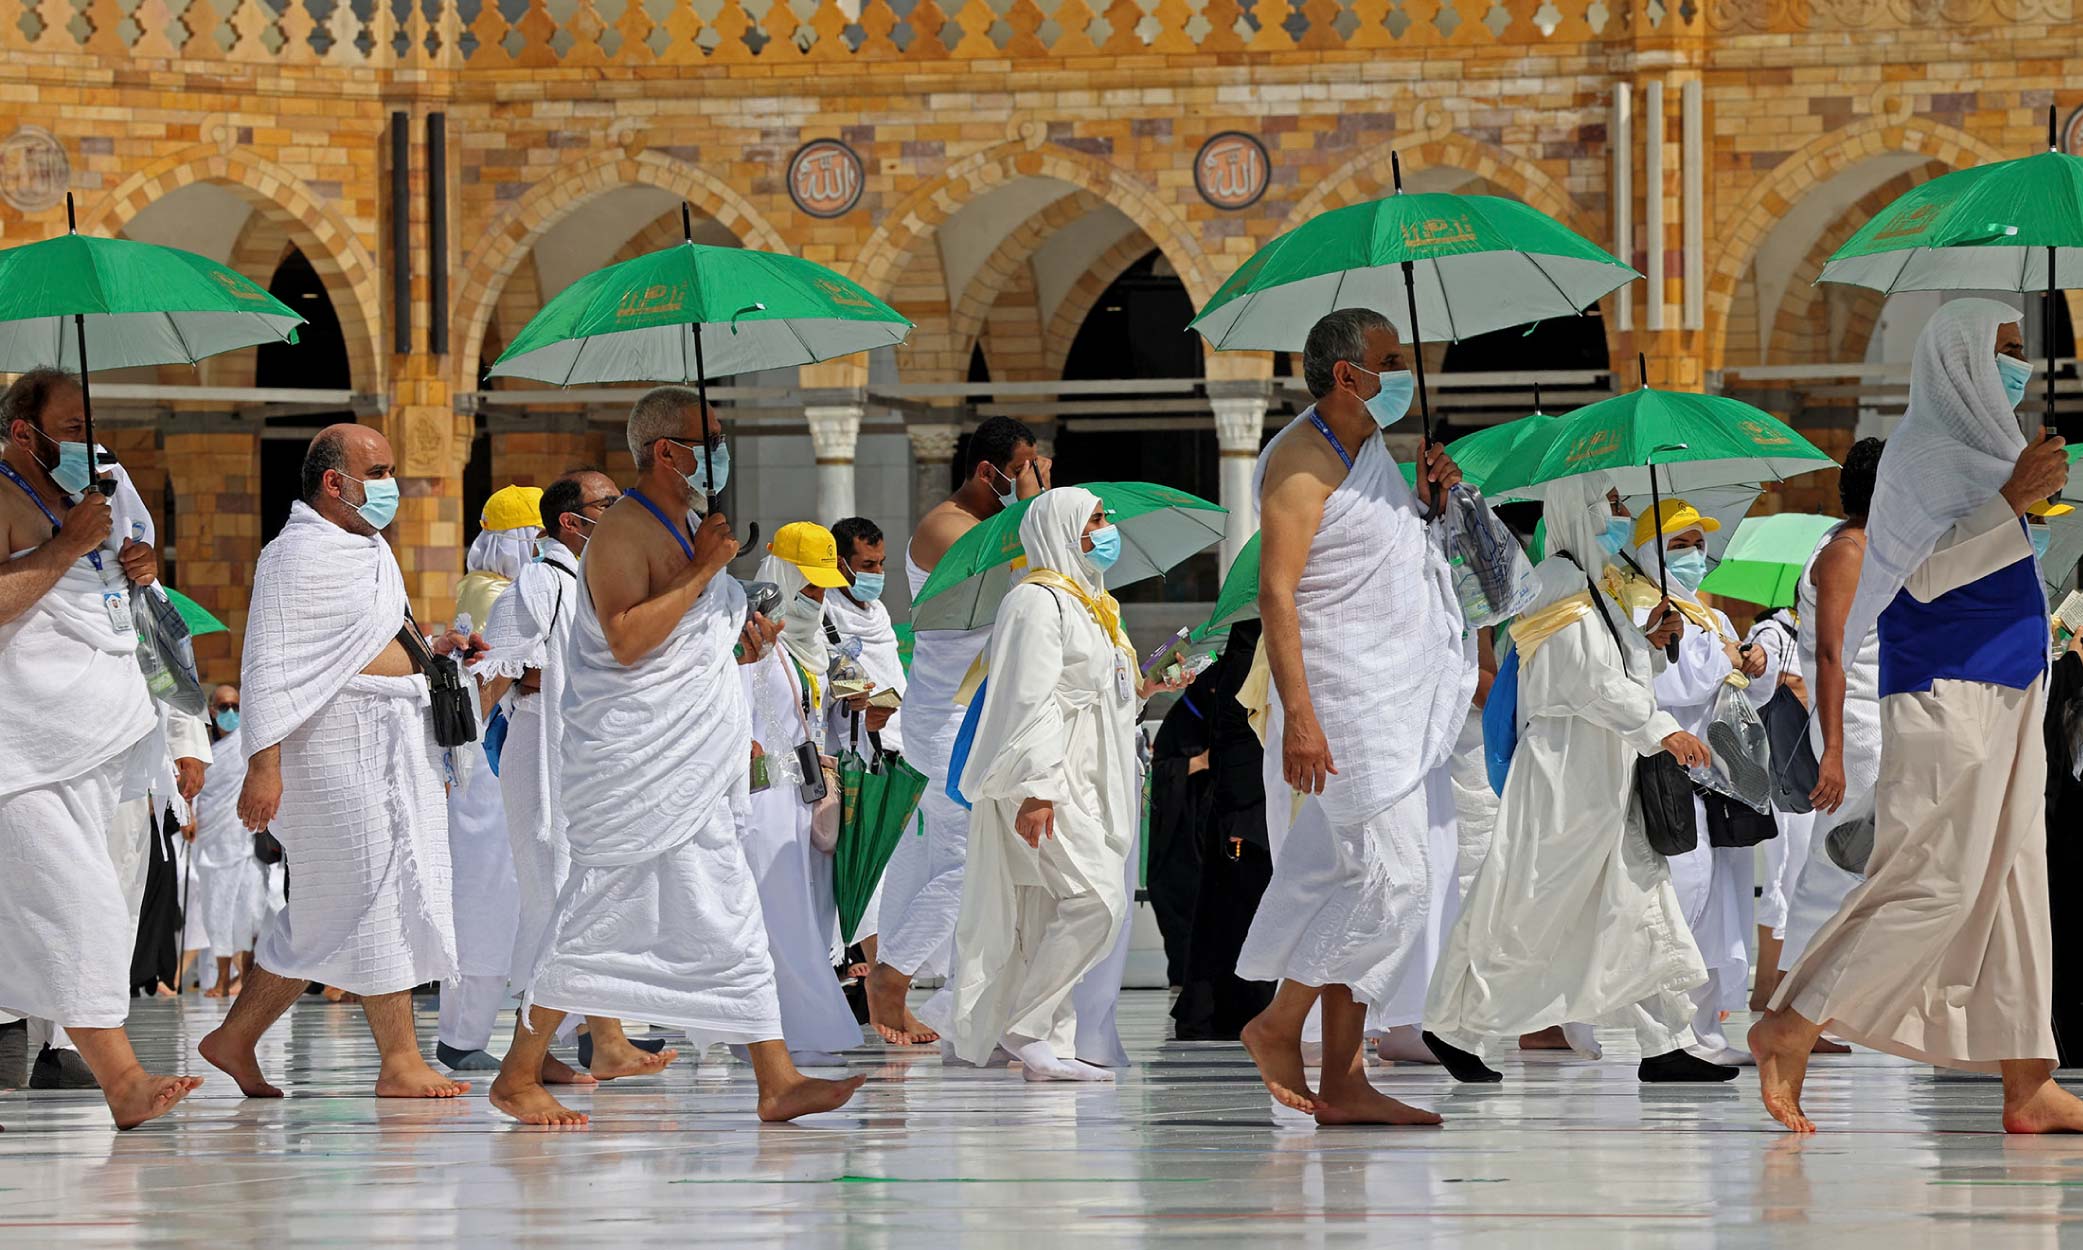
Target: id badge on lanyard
{"points": [[117, 604], [1122, 688]]}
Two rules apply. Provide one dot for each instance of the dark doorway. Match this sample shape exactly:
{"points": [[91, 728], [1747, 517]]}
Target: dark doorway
{"points": [[317, 361]]}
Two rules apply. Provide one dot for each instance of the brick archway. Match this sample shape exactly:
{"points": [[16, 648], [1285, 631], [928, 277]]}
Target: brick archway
{"points": [[509, 237], [1077, 302], [1743, 231], [911, 221], [1804, 302], [1368, 176], [334, 249], [966, 320]]}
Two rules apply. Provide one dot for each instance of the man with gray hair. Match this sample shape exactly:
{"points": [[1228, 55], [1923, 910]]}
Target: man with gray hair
{"points": [[1371, 680]]}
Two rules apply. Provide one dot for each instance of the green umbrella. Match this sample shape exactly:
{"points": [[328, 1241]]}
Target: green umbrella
{"points": [[79, 302], [196, 616], [1238, 598], [1764, 560], [876, 805], [2009, 226], [905, 639], [1159, 528], [689, 312]]}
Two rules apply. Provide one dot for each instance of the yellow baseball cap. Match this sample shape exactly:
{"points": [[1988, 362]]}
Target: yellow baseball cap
{"points": [[1678, 517], [512, 508], [2041, 507], [812, 549]]}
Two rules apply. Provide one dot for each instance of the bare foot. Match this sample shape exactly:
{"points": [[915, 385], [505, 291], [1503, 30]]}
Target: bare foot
{"points": [[617, 1058], [1279, 1059], [1550, 1038], [1824, 1046], [857, 971], [1364, 1104], [1781, 1043], [806, 1095], [139, 1097], [530, 1103], [166, 991], [217, 991], [410, 1077], [557, 1072], [2047, 1109], [889, 1012], [237, 1062]]}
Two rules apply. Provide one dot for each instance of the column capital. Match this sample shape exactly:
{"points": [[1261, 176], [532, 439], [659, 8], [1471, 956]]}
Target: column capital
{"points": [[835, 429], [1240, 423], [934, 442]]}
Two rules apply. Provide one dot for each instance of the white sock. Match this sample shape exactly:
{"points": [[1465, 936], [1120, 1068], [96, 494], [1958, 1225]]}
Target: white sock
{"points": [[1039, 1063], [1583, 1039], [1403, 1045]]}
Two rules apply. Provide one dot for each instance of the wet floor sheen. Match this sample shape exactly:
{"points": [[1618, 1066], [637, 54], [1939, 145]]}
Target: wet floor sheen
{"points": [[1184, 1150]]}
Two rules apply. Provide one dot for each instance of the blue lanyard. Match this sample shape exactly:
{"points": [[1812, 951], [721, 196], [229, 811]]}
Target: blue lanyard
{"points": [[670, 528], [93, 557], [1330, 438]]}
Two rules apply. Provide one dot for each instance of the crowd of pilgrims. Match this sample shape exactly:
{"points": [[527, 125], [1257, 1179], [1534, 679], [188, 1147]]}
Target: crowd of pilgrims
{"points": [[640, 825]]}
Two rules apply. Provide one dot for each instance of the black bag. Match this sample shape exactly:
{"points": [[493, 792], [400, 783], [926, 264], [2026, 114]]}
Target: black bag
{"points": [[266, 849], [454, 700], [1732, 823], [1794, 766], [1662, 788]]}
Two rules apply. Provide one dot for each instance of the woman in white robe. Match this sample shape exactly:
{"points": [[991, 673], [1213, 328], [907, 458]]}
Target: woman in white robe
{"points": [[1052, 774], [1571, 915]]}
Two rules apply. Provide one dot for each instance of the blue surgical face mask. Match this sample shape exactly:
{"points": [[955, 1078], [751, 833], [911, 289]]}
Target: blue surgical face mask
{"points": [[2042, 538], [1688, 567], [698, 481], [1619, 530], [227, 719], [74, 471], [2016, 374], [1391, 403], [379, 506], [867, 587], [1106, 548]]}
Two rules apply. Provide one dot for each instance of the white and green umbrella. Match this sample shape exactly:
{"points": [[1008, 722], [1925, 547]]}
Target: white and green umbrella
{"points": [[1764, 559], [1160, 528]]}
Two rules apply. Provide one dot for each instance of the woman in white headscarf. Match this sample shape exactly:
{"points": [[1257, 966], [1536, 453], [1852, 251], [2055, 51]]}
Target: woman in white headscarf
{"points": [[1051, 773], [1572, 916], [1943, 955]]}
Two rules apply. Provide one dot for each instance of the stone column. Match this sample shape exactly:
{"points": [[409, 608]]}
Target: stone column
{"points": [[1240, 423], [932, 455], [214, 461], [835, 430]]}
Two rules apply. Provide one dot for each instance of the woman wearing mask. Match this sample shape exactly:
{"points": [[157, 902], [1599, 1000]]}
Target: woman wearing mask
{"points": [[787, 691], [1052, 775], [1572, 916]]}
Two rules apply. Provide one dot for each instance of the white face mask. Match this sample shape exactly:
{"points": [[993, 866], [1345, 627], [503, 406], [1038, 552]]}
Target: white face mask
{"points": [[802, 627]]}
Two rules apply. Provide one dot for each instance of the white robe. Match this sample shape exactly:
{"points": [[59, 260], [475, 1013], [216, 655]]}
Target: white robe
{"points": [[1057, 725], [1353, 896], [795, 878], [363, 822], [83, 738], [1572, 917], [922, 886], [660, 917], [228, 895]]}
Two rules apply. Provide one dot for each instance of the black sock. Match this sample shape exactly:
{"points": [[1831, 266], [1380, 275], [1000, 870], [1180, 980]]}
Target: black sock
{"points": [[1682, 1066], [1461, 1065]]}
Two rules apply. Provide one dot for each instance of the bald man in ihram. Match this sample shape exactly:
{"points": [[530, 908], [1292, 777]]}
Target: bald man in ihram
{"points": [[342, 766]]}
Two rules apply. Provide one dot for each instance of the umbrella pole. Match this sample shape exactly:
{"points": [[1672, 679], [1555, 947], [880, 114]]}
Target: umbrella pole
{"points": [[1663, 581], [106, 486], [2050, 426], [1417, 350]]}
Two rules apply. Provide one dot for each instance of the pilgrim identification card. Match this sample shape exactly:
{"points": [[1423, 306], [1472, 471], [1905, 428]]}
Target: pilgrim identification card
{"points": [[117, 604], [1122, 688]]}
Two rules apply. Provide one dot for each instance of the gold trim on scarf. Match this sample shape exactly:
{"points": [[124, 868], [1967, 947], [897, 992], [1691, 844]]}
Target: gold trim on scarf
{"points": [[1106, 613], [1531, 629]]}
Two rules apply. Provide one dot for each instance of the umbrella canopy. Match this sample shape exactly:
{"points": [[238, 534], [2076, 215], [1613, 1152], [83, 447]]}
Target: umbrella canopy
{"points": [[876, 806], [1238, 598], [1728, 505], [1160, 527], [198, 618], [692, 312], [1764, 559], [1480, 262]]}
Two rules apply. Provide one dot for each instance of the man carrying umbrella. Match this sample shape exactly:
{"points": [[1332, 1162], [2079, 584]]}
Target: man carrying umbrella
{"points": [[67, 665], [1372, 678], [1943, 954]]}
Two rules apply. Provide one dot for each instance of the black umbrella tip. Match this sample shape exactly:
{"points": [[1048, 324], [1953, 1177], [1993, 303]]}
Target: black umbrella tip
{"points": [[1396, 170], [1642, 368], [2053, 129], [71, 223], [686, 222]]}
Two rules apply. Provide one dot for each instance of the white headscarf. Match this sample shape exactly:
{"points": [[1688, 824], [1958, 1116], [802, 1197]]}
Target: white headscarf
{"points": [[1053, 532], [505, 552], [801, 628], [1574, 515], [1952, 453]]}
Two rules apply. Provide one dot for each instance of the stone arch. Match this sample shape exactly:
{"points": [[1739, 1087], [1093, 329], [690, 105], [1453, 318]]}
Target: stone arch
{"points": [[1737, 242], [914, 217], [966, 319], [1803, 301], [510, 235], [1368, 176], [260, 249], [352, 279], [1077, 302]]}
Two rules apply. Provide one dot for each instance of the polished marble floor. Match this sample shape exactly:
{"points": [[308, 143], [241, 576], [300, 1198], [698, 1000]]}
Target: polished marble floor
{"points": [[1184, 1151]]}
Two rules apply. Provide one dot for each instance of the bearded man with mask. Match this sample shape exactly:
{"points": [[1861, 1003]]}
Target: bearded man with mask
{"points": [[1944, 953], [342, 766], [1372, 676], [788, 691]]}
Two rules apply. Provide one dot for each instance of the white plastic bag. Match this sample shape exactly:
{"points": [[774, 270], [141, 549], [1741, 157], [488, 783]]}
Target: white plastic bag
{"points": [[1742, 768], [1493, 579]]}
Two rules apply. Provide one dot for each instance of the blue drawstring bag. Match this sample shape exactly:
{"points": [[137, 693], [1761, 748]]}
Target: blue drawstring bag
{"points": [[1501, 720], [963, 738], [495, 737]]}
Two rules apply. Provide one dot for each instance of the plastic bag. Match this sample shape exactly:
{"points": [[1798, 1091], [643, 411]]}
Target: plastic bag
{"points": [[1742, 767], [165, 651], [1501, 721], [1493, 579]]}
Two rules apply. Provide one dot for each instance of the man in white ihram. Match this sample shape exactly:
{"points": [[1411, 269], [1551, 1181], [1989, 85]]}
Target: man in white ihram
{"points": [[341, 765], [1372, 677]]}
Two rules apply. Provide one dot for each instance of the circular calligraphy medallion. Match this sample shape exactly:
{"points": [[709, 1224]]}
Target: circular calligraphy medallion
{"points": [[1231, 171], [2072, 133], [34, 171], [825, 178]]}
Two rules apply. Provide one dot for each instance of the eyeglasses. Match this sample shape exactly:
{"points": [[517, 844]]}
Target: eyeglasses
{"points": [[224, 707], [602, 502]]}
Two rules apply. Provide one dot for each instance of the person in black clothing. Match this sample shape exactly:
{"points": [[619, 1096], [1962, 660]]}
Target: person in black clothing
{"points": [[1178, 812], [2064, 730]]}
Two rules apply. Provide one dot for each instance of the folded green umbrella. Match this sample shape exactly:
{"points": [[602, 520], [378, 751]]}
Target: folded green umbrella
{"points": [[197, 616], [1238, 598], [1764, 559], [876, 806]]}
